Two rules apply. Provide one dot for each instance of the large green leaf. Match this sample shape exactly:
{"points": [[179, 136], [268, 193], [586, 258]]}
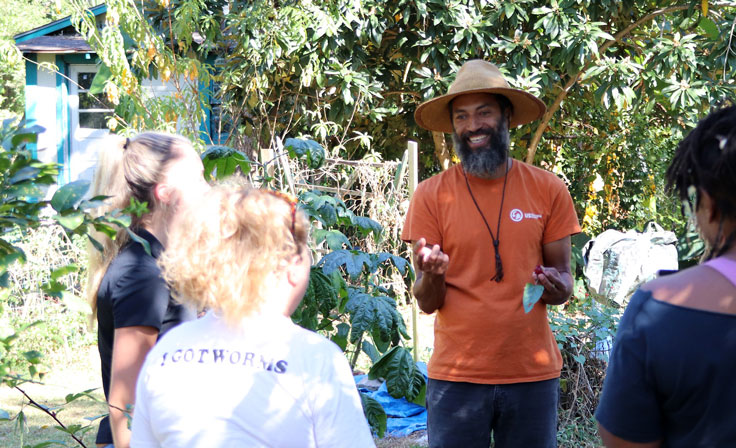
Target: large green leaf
{"points": [[375, 414], [709, 27], [398, 369], [335, 239], [325, 208], [372, 313], [399, 262], [370, 350], [224, 161], [321, 297], [341, 337], [70, 195], [367, 225], [326, 295], [352, 260], [309, 150]]}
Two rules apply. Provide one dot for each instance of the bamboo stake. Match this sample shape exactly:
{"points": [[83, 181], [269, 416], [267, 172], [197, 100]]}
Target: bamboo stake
{"points": [[412, 149]]}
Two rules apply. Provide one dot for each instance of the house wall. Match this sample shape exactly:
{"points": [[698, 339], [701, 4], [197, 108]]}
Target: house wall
{"points": [[41, 102], [48, 104]]}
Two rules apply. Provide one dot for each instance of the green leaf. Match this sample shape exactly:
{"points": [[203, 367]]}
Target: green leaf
{"points": [[421, 398], [48, 443], [375, 414], [33, 356], [341, 337], [96, 244], [709, 27], [64, 270], [70, 221], [399, 262], [367, 225], [226, 160], [369, 313], [532, 293], [75, 303], [352, 260], [335, 239], [23, 174], [397, 367], [27, 135], [71, 397], [70, 195], [98, 82], [370, 350], [311, 151], [325, 293], [139, 240]]}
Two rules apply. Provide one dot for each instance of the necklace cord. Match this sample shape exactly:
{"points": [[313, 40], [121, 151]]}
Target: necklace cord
{"points": [[497, 238]]}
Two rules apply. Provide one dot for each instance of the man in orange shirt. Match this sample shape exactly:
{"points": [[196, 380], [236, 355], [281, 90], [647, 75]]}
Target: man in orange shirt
{"points": [[478, 231]]}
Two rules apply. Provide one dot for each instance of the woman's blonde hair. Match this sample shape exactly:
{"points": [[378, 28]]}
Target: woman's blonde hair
{"points": [[221, 259], [129, 168]]}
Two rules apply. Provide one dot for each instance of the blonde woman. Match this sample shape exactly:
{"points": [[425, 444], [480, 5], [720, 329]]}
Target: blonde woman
{"points": [[132, 302], [244, 374]]}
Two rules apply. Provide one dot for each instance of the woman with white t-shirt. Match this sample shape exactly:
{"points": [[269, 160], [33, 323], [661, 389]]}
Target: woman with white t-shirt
{"points": [[245, 375]]}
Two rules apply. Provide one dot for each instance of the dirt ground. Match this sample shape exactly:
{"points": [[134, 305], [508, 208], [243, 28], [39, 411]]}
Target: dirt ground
{"points": [[74, 378]]}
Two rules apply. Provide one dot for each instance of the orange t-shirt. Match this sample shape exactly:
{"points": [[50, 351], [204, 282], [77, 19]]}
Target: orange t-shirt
{"points": [[482, 334]]}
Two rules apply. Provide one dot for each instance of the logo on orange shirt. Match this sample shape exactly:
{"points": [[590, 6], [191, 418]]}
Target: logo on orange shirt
{"points": [[517, 215]]}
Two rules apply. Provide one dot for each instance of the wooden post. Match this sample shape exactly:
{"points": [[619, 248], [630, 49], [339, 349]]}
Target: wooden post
{"points": [[283, 161], [412, 149]]}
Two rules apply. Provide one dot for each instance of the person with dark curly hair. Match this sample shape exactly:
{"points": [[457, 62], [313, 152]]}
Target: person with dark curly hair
{"points": [[670, 378]]}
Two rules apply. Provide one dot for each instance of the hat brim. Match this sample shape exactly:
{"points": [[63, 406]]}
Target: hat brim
{"points": [[434, 114]]}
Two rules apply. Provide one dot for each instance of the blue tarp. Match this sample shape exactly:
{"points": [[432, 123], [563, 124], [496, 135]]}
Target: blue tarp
{"points": [[404, 417]]}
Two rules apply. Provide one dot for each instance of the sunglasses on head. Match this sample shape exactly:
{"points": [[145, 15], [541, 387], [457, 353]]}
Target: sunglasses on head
{"points": [[292, 201]]}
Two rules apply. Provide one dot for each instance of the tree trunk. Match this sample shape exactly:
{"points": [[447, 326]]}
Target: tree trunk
{"points": [[537, 137], [441, 150]]}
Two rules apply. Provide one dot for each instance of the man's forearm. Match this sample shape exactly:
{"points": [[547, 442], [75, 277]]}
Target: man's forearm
{"points": [[430, 289]]}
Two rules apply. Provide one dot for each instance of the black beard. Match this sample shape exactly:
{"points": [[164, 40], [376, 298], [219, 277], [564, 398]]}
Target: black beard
{"points": [[484, 161]]}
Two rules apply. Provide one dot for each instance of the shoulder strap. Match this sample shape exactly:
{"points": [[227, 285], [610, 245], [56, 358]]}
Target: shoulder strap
{"points": [[725, 266]]}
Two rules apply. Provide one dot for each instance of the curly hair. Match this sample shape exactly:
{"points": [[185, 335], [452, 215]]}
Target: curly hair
{"points": [[705, 160], [221, 258]]}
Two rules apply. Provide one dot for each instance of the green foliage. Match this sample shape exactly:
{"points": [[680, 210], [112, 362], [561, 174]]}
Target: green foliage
{"points": [[375, 414], [133, 50], [223, 161], [309, 150], [29, 323], [623, 81], [403, 378], [19, 16], [346, 299]]}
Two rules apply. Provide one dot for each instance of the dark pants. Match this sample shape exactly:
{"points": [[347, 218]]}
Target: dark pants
{"points": [[519, 415]]}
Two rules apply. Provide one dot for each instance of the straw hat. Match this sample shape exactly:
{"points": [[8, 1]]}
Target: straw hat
{"points": [[478, 76]]}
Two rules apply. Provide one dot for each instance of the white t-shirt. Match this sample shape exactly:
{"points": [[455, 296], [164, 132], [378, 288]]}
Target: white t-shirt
{"points": [[269, 383]]}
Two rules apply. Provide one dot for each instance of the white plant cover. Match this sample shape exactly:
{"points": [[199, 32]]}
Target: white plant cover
{"points": [[616, 263]]}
